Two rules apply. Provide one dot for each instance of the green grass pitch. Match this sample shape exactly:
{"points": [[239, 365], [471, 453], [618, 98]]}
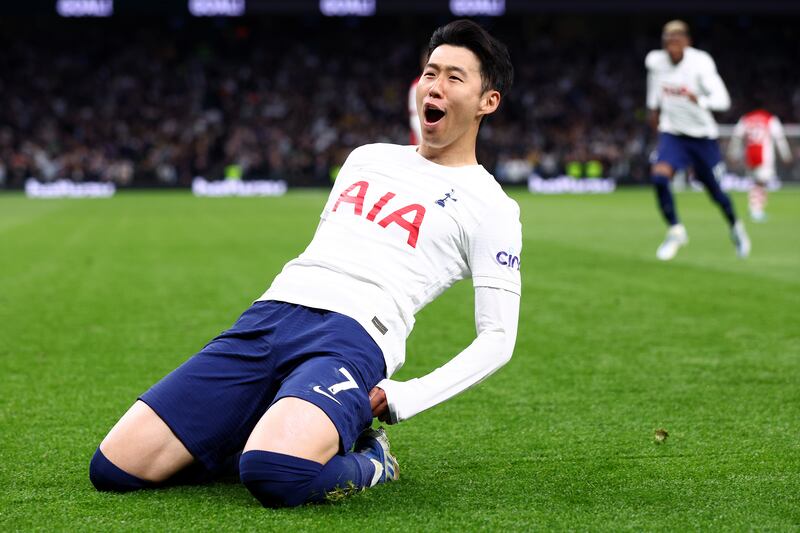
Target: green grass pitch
{"points": [[100, 298]]}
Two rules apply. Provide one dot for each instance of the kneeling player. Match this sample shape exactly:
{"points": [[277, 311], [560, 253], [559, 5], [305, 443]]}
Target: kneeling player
{"points": [[294, 384]]}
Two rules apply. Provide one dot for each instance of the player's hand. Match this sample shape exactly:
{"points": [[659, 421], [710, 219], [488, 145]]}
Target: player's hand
{"points": [[378, 404], [691, 96], [652, 119]]}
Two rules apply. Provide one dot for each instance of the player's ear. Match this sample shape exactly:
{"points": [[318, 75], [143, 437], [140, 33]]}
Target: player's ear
{"points": [[490, 100]]}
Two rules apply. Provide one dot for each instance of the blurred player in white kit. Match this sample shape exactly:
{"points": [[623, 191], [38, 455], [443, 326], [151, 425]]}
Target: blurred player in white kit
{"points": [[683, 88], [755, 139]]}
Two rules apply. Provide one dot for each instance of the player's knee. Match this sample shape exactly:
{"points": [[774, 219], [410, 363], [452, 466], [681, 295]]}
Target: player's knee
{"points": [[106, 476], [278, 480], [661, 171]]}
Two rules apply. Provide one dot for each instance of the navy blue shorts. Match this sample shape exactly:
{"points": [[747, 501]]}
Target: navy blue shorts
{"points": [[681, 152], [213, 401]]}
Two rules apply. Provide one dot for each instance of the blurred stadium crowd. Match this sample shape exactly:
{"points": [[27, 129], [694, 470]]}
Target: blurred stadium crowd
{"points": [[289, 98]]}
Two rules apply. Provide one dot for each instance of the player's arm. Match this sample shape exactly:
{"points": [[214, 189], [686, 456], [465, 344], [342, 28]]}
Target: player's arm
{"points": [[715, 95], [735, 145], [652, 118], [653, 96], [493, 251], [780, 139], [496, 316]]}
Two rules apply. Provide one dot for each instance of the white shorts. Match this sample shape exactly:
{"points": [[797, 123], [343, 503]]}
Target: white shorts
{"points": [[763, 174]]}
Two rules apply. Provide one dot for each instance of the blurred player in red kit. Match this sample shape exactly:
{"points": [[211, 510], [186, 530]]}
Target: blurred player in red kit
{"points": [[413, 114], [762, 134]]}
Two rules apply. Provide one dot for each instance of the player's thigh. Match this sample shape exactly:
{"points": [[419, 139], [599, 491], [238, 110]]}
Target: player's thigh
{"points": [[670, 155], [763, 175], [143, 445], [214, 399], [706, 158], [293, 426], [320, 409]]}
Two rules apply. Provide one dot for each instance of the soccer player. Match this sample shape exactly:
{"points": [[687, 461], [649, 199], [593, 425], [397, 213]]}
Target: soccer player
{"points": [[683, 88], [295, 383], [762, 132]]}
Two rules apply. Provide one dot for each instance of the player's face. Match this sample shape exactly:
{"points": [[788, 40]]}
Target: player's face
{"points": [[674, 43], [450, 101]]}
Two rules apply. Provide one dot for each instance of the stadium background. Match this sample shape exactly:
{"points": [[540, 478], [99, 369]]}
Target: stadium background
{"points": [[153, 96], [101, 298]]}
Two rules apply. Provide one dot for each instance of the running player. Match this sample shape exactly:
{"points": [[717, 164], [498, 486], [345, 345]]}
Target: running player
{"points": [[761, 132], [303, 371], [683, 88]]}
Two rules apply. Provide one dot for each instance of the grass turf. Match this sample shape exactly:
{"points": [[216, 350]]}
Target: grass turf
{"points": [[100, 298]]}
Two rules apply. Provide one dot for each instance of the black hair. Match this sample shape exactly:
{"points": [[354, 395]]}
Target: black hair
{"points": [[497, 72]]}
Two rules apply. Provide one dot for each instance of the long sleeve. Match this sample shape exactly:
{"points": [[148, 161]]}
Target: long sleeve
{"points": [[496, 316], [715, 96], [776, 129], [653, 95], [735, 145]]}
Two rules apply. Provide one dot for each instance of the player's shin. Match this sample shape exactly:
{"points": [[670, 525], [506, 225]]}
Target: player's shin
{"points": [[716, 193], [757, 201], [666, 202]]}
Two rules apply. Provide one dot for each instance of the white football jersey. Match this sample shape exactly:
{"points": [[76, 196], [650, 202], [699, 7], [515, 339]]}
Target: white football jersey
{"points": [[668, 86], [397, 231]]}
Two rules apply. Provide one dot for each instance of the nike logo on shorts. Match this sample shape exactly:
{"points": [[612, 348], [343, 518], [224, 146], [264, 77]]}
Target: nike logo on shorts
{"points": [[320, 390]]}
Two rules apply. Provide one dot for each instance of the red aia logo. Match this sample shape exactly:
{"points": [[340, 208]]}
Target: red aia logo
{"points": [[355, 193], [675, 91]]}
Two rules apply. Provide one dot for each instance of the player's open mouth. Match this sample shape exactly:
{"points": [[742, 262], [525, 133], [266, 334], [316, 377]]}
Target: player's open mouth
{"points": [[432, 114]]}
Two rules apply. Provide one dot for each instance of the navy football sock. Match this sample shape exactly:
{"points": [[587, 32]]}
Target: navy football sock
{"points": [[350, 473], [718, 195], [665, 200], [279, 480], [276, 479], [106, 476]]}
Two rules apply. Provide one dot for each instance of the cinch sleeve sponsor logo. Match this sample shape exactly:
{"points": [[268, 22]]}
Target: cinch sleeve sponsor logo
{"points": [[508, 260]]}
